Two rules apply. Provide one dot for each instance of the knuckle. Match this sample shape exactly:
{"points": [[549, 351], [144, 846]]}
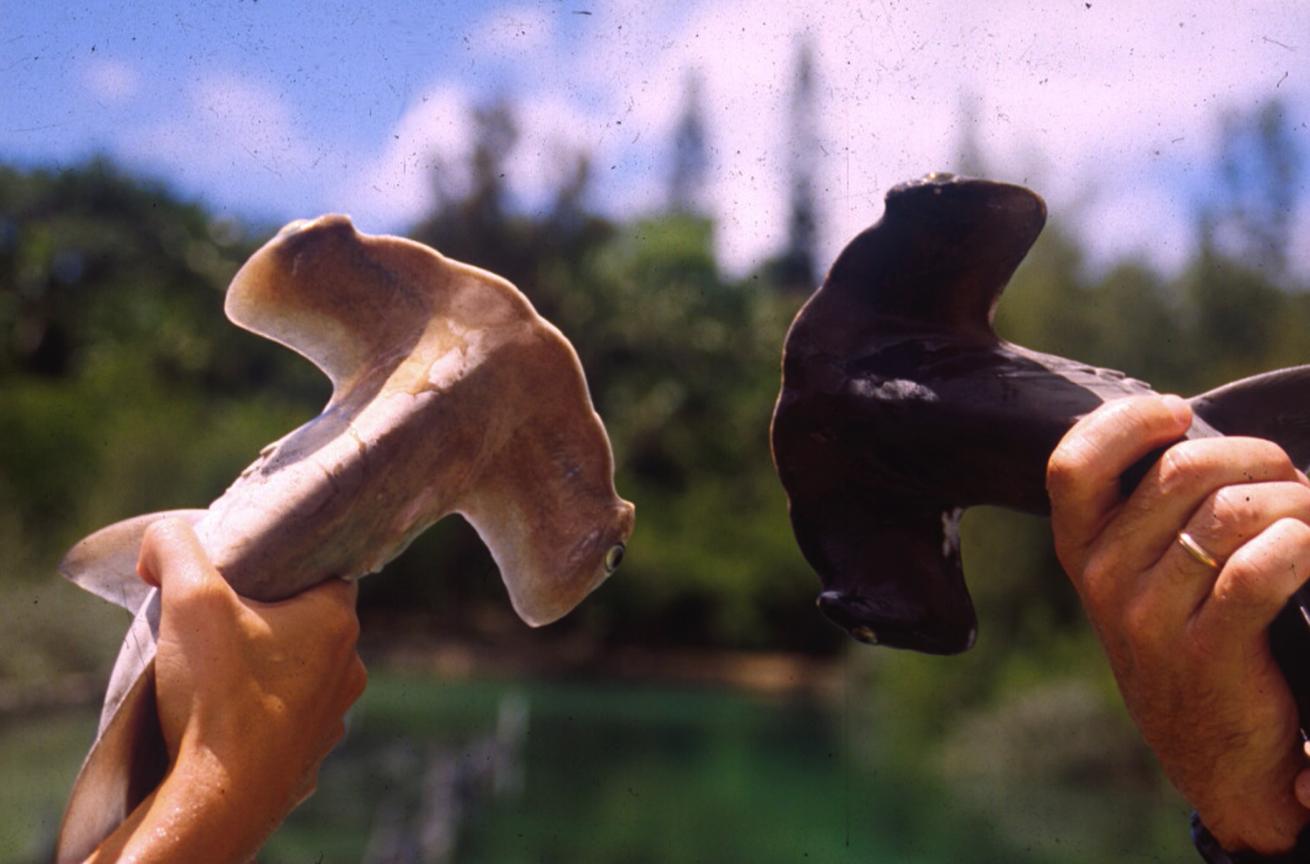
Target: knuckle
{"points": [[340, 626], [1298, 500], [1142, 627], [1295, 537], [1180, 468], [202, 596], [348, 628], [1271, 458], [1098, 581], [1067, 467], [1205, 645], [155, 534], [1232, 510], [353, 684], [1198, 648], [1243, 581]]}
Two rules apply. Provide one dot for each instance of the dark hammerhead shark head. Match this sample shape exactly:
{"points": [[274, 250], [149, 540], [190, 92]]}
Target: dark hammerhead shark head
{"points": [[450, 395], [900, 407]]}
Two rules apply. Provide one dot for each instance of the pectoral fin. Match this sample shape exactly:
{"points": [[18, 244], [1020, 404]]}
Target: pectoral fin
{"points": [[128, 758], [104, 563]]}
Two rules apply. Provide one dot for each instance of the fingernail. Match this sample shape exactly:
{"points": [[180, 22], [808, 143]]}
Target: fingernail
{"points": [[1178, 406]]}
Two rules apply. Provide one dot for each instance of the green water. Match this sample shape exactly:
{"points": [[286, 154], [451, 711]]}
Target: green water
{"points": [[616, 774]]}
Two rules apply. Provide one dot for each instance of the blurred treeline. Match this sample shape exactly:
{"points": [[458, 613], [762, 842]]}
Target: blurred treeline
{"points": [[1028, 725], [124, 390]]}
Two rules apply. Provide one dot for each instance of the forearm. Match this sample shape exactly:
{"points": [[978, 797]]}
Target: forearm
{"points": [[199, 813]]}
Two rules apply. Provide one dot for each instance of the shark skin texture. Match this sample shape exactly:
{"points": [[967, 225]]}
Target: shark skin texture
{"points": [[900, 407], [450, 395]]}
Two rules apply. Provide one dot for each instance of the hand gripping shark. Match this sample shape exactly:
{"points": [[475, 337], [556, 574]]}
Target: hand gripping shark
{"points": [[450, 395], [900, 407]]}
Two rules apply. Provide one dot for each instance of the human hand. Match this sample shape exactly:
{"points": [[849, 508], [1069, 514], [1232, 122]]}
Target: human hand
{"points": [[1188, 642], [251, 697]]}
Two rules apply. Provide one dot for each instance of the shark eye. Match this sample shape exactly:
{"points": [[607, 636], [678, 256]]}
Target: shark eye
{"points": [[614, 558]]}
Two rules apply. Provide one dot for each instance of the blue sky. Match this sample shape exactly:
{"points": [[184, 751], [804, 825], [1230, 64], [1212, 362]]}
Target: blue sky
{"points": [[273, 110]]}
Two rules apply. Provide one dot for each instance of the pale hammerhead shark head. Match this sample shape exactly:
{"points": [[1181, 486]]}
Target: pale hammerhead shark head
{"points": [[450, 395]]}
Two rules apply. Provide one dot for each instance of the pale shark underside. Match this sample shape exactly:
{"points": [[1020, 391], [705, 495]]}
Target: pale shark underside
{"points": [[450, 395]]}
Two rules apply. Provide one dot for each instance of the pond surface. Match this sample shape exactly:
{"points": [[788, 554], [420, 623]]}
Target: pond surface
{"points": [[486, 772]]}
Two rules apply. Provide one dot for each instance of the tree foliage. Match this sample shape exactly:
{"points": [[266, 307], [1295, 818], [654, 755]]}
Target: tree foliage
{"points": [[122, 388]]}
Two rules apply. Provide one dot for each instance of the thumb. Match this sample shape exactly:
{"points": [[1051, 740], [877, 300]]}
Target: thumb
{"points": [[173, 560]]}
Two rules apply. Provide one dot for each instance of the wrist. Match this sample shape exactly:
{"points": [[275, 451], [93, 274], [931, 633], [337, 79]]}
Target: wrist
{"points": [[208, 811], [1271, 830], [188, 817], [237, 765], [1236, 851]]}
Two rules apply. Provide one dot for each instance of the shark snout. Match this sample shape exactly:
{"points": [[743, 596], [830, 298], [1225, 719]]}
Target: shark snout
{"points": [[330, 221], [870, 622]]}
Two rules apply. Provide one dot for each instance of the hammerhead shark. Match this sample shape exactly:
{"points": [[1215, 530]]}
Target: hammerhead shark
{"points": [[450, 395], [900, 407]]}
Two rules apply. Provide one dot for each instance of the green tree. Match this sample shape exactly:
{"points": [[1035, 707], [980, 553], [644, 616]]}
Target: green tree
{"points": [[691, 157], [1258, 172]]}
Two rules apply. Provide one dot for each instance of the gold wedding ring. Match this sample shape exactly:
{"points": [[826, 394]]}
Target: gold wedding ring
{"points": [[1196, 550]]}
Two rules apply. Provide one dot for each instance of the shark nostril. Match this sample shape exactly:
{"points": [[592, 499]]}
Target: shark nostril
{"points": [[867, 621], [864, 633], [828, 598]]}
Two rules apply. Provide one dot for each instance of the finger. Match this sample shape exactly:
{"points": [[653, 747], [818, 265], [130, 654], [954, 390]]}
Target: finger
{"points": [[1178, 484], [1226, 520], [1131, 549], [324, 612], [173, 559], [1255, 584], [1302, 784], [1082, 476], [1232, 515], [356, 681], [334, 601], [342, 591]]}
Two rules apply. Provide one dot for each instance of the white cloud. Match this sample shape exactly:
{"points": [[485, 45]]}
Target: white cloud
{"points": [[1108, 111], [229, 125], [1110, 100], [111, 81], [553, 131], [429, 144], [1117, 99], [1148, 223], [432, 141], [238, 139]]}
